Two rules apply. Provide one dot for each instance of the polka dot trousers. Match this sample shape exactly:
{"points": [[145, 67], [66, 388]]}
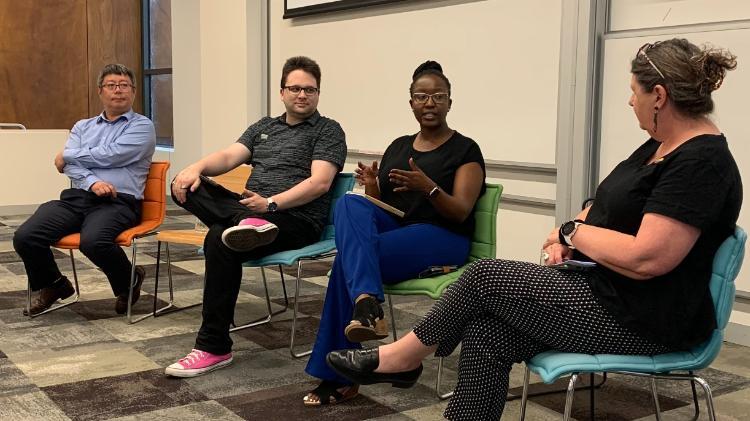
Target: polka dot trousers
{"points": [[505, 312]]}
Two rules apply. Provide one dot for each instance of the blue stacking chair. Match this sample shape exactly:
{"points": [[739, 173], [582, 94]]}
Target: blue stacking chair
{"points": [[324, 248], [551, 365]]}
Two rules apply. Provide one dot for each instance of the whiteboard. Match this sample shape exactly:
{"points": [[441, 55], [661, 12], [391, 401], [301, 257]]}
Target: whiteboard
{"points": [[620, 134], [635, 14]]}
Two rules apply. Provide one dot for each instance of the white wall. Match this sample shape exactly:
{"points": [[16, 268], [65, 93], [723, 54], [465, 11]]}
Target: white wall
{"points": [[29, 176], [501, 58], [218, 86]]}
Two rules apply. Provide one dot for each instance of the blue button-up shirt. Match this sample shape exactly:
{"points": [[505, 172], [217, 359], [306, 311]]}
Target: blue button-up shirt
{"points": [[118, 152]]}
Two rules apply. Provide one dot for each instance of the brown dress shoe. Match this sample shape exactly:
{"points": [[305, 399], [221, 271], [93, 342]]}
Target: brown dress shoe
{"points": [[121, 305], [47, 296]]}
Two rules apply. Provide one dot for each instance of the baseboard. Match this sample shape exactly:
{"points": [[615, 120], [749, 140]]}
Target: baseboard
{"points": [[18, 209], [737, 334]]}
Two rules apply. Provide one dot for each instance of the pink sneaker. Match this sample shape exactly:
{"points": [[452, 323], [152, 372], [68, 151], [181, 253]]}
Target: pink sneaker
{"points": [[249, 234], [198, 362]]}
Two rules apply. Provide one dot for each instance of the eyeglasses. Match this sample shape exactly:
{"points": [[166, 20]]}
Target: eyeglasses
{"points": [[422, 98], [642, 52], [124, 86], [309, 90]]}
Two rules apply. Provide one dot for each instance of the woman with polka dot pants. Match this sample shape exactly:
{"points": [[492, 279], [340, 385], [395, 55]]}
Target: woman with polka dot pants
{"points": [[655, 224]]}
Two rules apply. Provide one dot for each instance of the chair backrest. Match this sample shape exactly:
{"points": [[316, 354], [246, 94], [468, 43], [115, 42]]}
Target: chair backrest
{"points": [[726, 266], [484, 240], [154, 197], [343, 183], [236, 179]]}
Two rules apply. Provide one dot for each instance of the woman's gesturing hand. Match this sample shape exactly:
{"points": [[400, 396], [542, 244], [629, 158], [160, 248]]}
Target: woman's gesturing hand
{"points": [[366, 176], [414, 180]]}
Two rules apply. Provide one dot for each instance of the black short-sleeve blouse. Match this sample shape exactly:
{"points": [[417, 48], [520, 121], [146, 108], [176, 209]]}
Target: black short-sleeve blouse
{"points": [[440, 165], [698, 184]]}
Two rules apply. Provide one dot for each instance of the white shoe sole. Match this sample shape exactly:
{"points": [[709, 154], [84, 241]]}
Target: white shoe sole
{"points": [[246, 237], [181, 372]]}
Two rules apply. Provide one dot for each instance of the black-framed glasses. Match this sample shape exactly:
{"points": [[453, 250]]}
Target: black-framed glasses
{"points": [[309, 90], [437, 98], [642, 52], [124, 86]]}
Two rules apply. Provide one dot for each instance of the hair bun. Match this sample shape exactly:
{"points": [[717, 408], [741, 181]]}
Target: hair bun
{"points": [[427, 65], [714, 64]]}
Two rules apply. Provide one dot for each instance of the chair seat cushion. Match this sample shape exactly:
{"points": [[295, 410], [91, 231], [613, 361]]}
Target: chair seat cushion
{"points": [[551, 365], [431, 287], [290, 257], [125, 239]]}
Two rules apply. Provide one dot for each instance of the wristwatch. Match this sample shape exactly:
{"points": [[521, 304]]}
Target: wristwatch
{"points": [[272, 206], [434, 192], [567, 231]]}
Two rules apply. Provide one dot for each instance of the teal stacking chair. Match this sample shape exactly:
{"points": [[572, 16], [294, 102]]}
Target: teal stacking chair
{"points": [[551, 365], [483, 246], [324, 248]]}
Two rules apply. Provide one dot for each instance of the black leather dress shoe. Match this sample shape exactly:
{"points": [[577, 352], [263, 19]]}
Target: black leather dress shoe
{"points": [[121, 304], [358, 365]]}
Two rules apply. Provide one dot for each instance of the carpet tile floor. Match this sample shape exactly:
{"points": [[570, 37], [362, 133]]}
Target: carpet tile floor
{"points": [[84, 362]]}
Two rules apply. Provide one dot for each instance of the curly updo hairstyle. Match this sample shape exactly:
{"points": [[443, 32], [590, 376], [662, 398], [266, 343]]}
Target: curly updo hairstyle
{"points": [[429, 67], [690, 73]]}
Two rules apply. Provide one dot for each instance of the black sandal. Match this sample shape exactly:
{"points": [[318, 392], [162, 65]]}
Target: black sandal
{"points": [[368, 322], [327, 393]]}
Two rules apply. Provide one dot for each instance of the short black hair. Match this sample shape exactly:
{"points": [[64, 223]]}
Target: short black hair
{"points": [[306, 64], [429, 67], [115, 69]]}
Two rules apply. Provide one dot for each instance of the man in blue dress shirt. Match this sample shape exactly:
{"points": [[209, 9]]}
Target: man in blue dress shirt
{"points": [[107, 159]]}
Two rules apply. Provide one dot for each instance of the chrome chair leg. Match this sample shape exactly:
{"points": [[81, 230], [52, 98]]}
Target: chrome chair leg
{"points": [[170, 307], [655, 394], [156, 276], [446, 395], [696, 405], [393, 319], [569, 396], [525, 393], [262, 320], [131, 284], [283, 287], [709, 398], [592, 398], [551, 392], [294, 315]]}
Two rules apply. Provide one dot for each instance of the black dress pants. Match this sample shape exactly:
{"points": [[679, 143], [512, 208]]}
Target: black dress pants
{"points": [[220, 209], [99, 220]]}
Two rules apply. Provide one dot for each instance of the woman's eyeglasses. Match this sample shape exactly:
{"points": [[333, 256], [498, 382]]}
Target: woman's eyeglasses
{"points": [[422, 98], [642, 52]]}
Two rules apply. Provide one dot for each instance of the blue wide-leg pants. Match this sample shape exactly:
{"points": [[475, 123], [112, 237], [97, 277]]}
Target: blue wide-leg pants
{"points": [[373, 249]]}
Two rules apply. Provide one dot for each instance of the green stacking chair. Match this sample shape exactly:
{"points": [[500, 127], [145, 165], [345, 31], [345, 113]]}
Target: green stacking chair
{"points": [[483, 246]]}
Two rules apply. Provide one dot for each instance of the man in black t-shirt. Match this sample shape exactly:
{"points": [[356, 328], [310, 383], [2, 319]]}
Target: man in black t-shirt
{"points": [[295, 158]]}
